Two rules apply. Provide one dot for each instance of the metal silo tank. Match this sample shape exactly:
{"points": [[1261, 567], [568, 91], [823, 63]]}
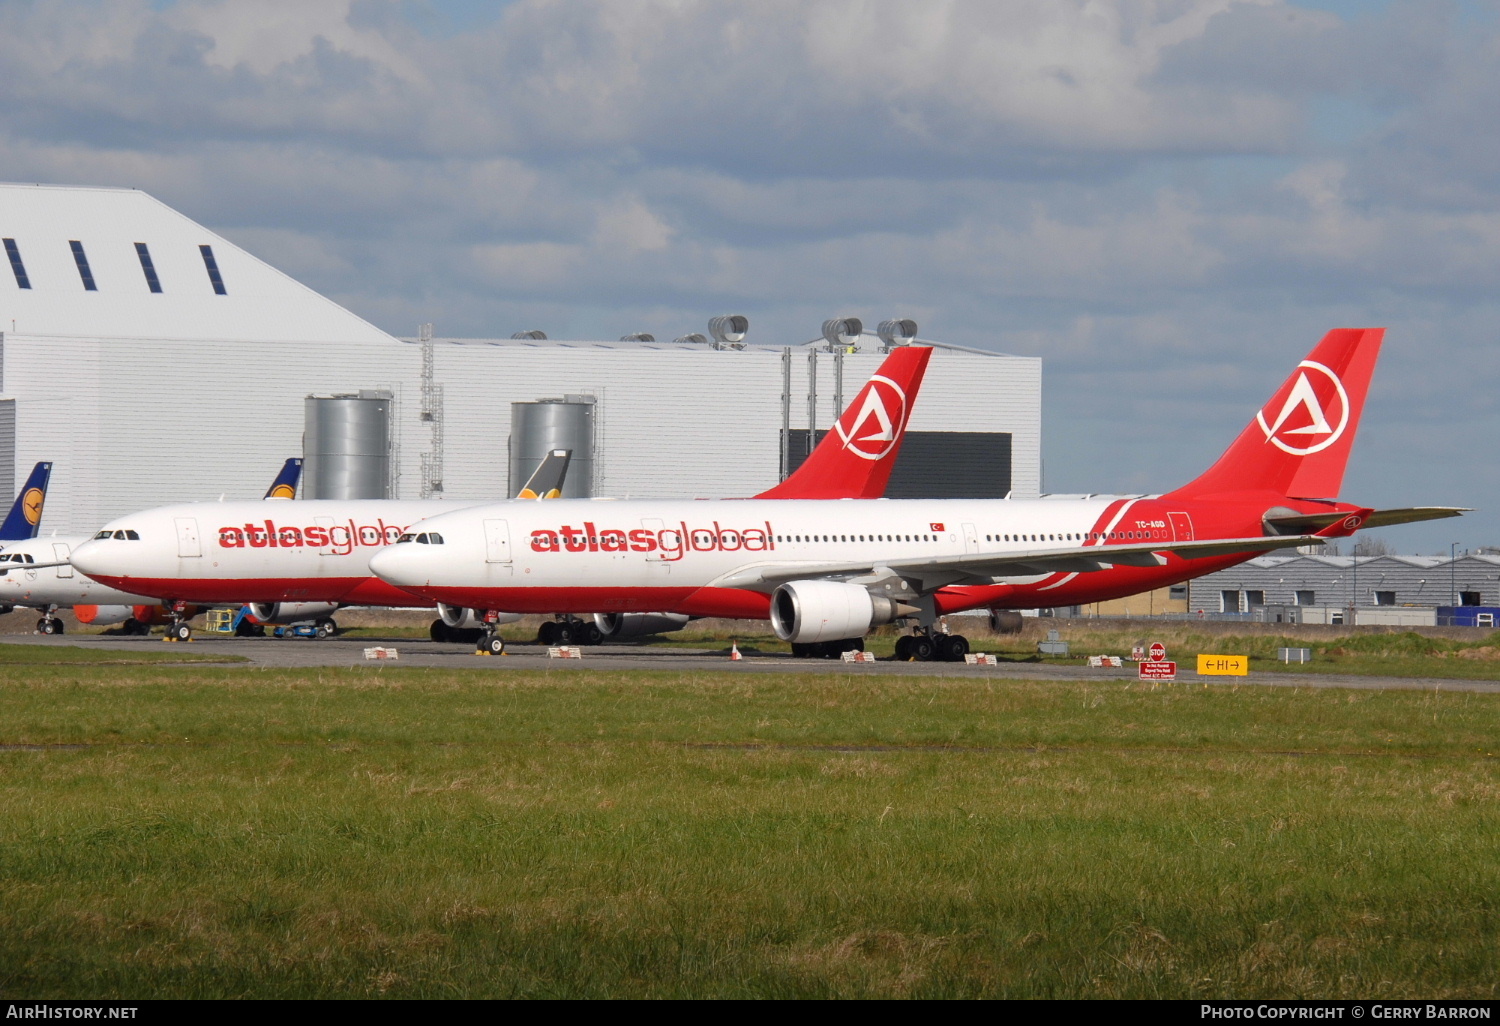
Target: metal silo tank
{"points": [[538, 428], [346, 446]]}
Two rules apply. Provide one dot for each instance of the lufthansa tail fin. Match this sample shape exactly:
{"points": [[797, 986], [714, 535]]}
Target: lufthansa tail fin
{"points": [[854, 460], [285, 485], [546, 482], [1299, 442], [26, 513]]}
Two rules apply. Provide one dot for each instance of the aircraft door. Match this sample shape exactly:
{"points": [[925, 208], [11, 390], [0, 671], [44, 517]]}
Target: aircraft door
{"points": [[497, 541], [971, 539], [1182, 526], [187, 538], [60, 551], [326, 523], [657, 560]]}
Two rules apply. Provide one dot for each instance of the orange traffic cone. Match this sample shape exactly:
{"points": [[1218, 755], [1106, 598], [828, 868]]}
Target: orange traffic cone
{"points": [[734, 651]]}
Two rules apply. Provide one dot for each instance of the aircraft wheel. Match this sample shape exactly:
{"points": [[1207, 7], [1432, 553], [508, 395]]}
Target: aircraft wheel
{"points": [[802, 650], [546, 634], [327, 627], [903, 648], [182, 632], [592, 635], [563, 634], [438, 631], [922, 649], [952, 647], [494, 645], [49, 625]]}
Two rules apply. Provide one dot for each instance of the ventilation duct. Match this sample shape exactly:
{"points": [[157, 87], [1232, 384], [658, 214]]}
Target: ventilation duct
{"points": [[534, 334], [843, 332], [895, 333], [639, 336], [346, 445], [729, 331]]}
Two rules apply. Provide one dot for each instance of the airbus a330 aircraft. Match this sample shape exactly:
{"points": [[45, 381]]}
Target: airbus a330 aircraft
{"points": [[39, 572], [825, 573], [318, 555]]}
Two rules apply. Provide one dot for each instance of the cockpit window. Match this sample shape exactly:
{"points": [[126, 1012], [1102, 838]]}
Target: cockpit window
{"points": [[103, 534], [408, 537], [132, 535], [434, 538]]}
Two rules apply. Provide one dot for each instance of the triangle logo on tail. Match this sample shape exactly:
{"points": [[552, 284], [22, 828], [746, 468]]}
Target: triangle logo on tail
{"points": [[1303, 425], [877, 424]]}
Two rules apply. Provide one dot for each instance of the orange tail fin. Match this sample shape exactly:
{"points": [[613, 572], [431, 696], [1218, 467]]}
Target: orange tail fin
{"points": [[854, 460], [1299, 442]]}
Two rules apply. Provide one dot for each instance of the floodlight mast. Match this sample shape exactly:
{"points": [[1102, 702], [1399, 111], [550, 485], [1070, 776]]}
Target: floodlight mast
{"points": [[432, 415]]}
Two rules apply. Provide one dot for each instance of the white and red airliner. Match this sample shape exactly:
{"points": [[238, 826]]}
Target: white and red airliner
{"points": [[311, 557], [826, 572]]}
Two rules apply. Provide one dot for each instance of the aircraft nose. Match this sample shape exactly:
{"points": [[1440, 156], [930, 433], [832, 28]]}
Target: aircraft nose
{"points": [[397, 564], [90, 558]]}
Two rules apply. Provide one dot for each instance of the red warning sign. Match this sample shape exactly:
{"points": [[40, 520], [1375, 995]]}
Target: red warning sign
{"points": [[1158, 651], [1158, 670]]}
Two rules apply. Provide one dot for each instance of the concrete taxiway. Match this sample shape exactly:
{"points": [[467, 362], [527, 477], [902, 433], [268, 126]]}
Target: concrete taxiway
{"points": [[307, 652]]}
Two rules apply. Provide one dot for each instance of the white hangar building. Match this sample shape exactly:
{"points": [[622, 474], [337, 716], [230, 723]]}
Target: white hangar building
{"points": [[154, 361]]}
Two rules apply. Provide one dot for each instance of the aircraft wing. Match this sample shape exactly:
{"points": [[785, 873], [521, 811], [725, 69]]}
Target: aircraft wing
{"points": [[1304, 522], [983, 568]]}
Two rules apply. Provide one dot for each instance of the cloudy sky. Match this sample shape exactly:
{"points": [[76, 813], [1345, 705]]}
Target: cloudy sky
{"points": [[1168, 200]]}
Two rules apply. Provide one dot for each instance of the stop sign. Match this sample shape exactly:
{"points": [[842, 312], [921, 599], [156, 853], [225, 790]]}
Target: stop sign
{"points": [[1158, 651]]}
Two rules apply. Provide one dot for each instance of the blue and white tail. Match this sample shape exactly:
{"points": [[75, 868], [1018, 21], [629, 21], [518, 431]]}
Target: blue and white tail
{"points": [[26, 513]]}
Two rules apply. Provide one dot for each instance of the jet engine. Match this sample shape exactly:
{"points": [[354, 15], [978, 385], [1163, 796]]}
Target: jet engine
{"points": [[460, 618], [618, 626], [103, 616], [810, 611], [291, 612]]}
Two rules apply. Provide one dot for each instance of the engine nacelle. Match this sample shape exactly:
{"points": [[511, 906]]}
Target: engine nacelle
{"points": [[156, 614], [618, 626], [291, 612], [103, 616], [808, 611], [470, 619]]}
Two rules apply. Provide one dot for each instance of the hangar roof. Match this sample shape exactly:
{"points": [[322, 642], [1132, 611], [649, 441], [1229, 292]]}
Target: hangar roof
{"points": [[117, 263]]}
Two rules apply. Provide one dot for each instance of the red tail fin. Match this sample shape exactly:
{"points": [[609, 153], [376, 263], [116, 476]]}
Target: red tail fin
{"points": [[854, 460], [1299, 442]]}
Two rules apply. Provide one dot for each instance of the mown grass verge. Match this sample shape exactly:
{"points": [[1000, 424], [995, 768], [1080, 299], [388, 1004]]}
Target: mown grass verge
{"points": [[416, 833]]}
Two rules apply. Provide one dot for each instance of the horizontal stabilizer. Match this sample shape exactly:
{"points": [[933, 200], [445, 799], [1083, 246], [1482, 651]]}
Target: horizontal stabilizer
{"points": [[1312, 523]]}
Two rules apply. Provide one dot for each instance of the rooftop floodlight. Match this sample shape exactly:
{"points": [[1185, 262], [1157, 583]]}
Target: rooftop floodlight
{"points": [[897, 332], [638, 336], [534, 333], [843, 333], [695, 339], [729, 331]]}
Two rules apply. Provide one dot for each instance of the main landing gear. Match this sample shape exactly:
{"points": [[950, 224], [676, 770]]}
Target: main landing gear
{"points": [[927, 645], [569, 630]]}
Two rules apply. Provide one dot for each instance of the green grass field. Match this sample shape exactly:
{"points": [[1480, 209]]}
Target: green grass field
{"points": [[492, 833]]}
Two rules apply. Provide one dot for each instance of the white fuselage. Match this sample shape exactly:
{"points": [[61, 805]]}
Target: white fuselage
{"points": [[691, 556], [315, 550], [24, 584]]}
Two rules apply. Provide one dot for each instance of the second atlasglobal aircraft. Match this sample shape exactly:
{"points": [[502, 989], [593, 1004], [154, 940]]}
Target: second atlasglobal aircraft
{"points": [[827, 572]]}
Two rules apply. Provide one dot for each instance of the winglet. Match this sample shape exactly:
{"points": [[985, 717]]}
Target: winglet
{"points": [[285, 485], [855, 459], [1299, 442], [26, 513], [546, 482]]}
